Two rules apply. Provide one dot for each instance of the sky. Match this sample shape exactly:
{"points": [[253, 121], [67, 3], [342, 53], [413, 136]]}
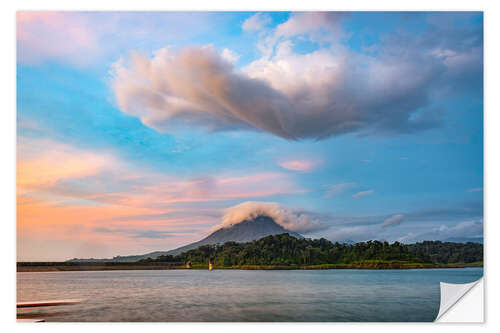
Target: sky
{"points": [[144, 131]]}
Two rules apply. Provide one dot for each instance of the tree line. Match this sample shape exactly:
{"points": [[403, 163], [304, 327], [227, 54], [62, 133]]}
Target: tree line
{"points": [[286, 250], [448, 252]]}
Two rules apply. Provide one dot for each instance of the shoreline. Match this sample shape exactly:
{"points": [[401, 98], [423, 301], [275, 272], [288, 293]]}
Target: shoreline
{"points": [[112, 266]]}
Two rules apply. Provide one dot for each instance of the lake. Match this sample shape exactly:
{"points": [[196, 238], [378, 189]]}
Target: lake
{"points": [[240, 295]]}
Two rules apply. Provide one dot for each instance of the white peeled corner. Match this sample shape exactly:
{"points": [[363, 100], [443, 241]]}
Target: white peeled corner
{"points": [[461, 303]]}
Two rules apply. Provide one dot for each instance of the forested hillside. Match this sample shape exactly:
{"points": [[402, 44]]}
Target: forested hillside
{"points": [[448, 252], [285, 250]]}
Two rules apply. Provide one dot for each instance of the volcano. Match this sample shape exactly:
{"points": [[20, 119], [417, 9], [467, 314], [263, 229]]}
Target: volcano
{"points": [[242, 232], [245, 231]]}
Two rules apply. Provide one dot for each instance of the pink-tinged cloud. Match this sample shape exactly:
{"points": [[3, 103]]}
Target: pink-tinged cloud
{"points": [[82, 39], [58, 165], [393, 220], [363, 194], [47, 170], [67, 36], [299, 165], [224, 187]]}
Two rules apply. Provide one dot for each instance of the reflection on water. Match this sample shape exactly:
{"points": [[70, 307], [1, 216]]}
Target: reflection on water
{"points": [[238, 295]]}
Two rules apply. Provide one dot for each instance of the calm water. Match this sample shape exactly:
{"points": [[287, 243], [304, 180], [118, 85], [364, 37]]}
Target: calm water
{"points": [[237, 295]]}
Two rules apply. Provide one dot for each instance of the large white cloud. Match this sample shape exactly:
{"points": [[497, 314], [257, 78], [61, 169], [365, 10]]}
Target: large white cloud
{"points": [[330, 91], [292, 96]]}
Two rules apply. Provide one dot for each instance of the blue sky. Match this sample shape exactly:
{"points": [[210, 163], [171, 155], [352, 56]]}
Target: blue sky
{"points": [[137, 131]]}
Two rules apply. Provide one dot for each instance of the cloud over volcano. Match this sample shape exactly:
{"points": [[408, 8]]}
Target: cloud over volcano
{"points": [[293, 220]]}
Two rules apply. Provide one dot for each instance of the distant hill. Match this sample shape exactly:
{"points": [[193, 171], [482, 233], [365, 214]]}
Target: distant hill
{"points": [[465, 240], [242, 232]]}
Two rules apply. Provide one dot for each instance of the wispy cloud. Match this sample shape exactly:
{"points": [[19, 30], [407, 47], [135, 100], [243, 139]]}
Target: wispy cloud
{"points": [[467, 229], [55, 35], [299, 165], [142, 233], [363, 194], [81, 39], [339, 189], [445, 215], [65, 171], [41, 166], [256, 22], [174, 214], [393, 220]]}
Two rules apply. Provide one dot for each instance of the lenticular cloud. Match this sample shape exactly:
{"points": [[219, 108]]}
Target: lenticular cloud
{"points": [[291, 96], [327, 92]]}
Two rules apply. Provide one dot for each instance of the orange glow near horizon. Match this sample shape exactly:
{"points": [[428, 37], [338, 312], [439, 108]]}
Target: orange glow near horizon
{"points": [[68, 195]]}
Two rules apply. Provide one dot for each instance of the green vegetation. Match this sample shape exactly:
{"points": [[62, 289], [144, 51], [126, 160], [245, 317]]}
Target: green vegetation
{"points": [[287, 252], [163, 258], [447, 252], [473, 264]]}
